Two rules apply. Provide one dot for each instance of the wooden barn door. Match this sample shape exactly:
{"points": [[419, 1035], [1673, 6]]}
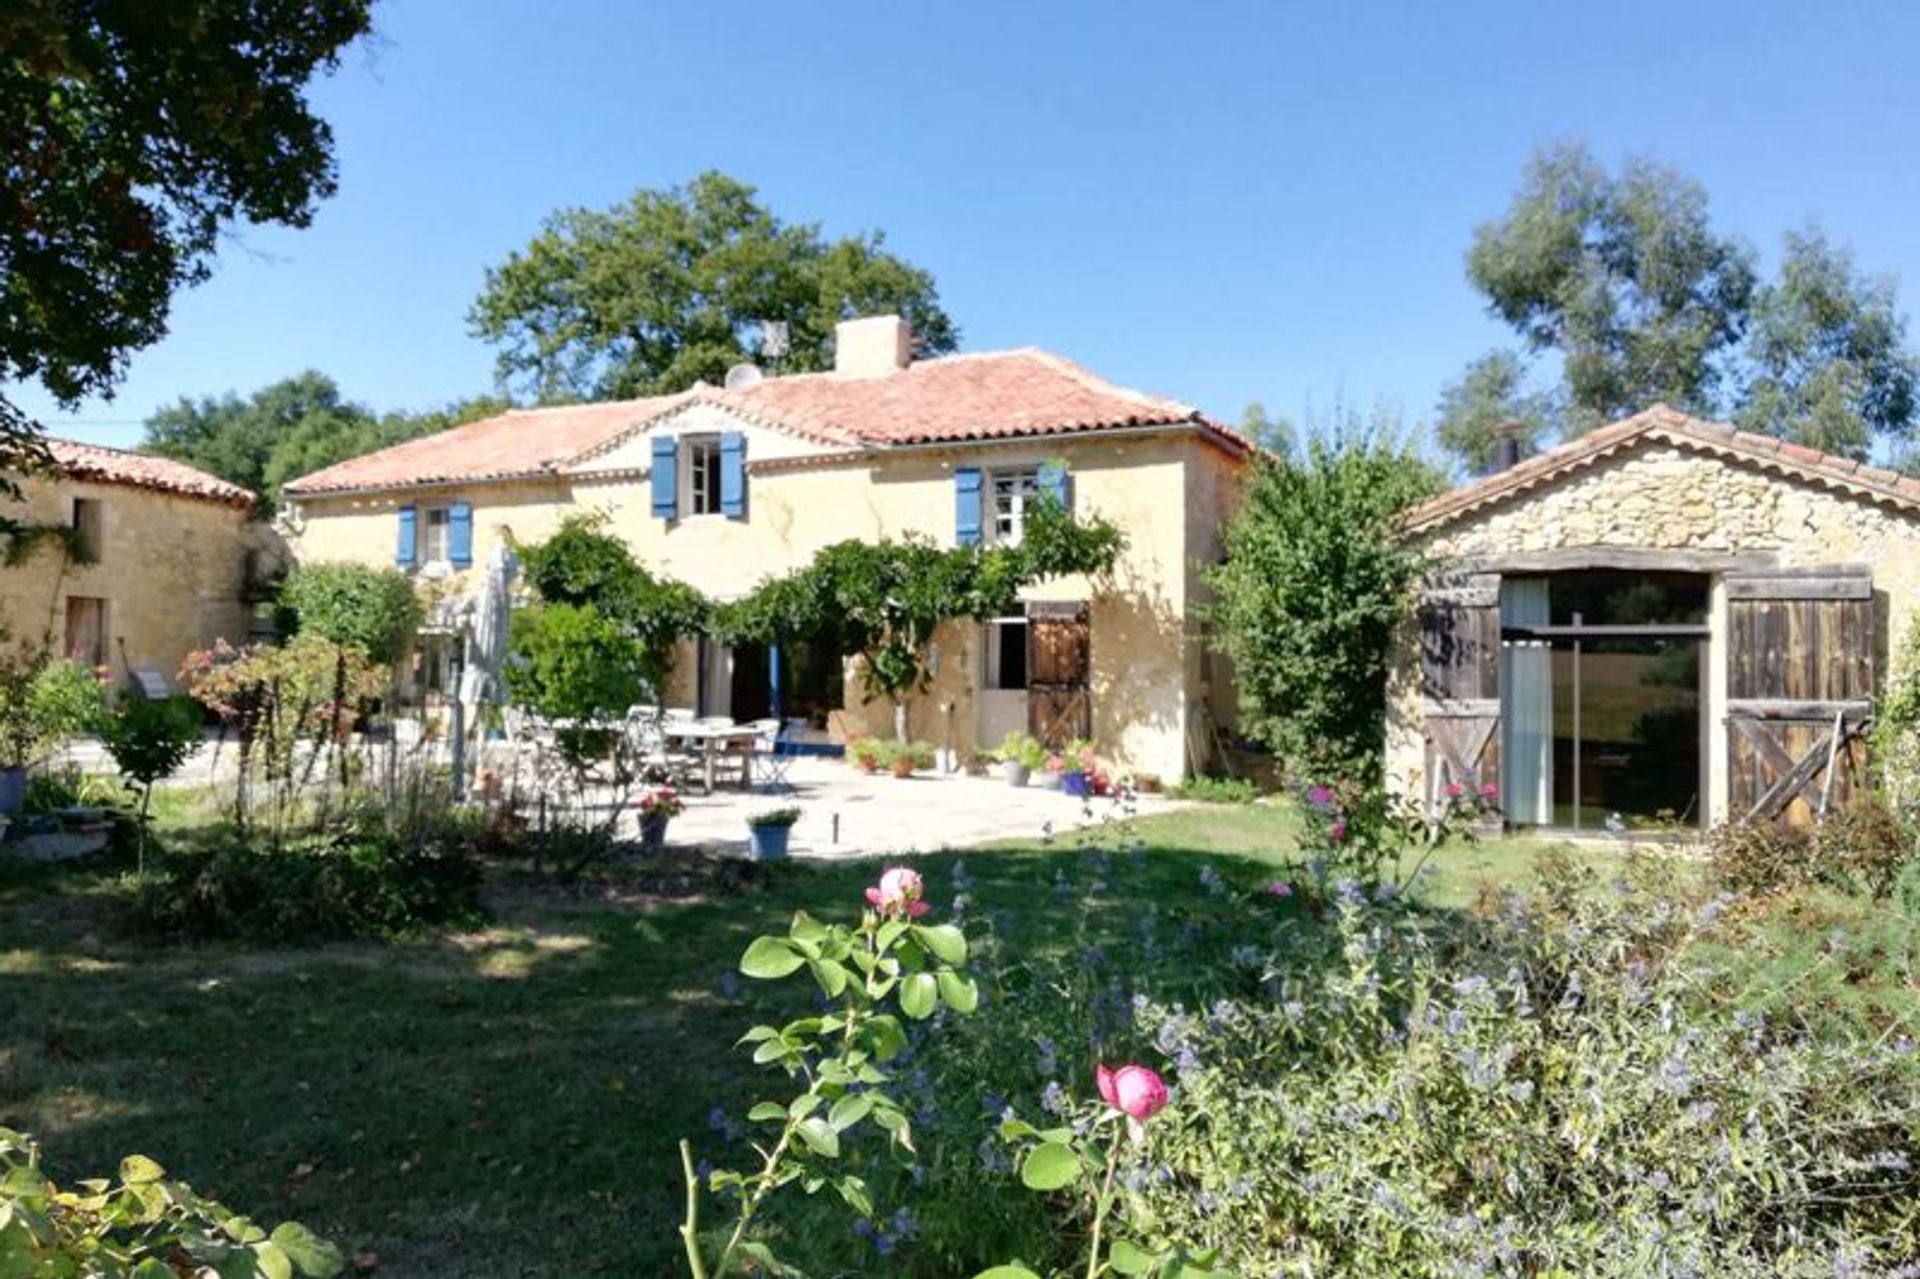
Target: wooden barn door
{"points": [[1799, 687], [1460, 681], [1059, 660]]}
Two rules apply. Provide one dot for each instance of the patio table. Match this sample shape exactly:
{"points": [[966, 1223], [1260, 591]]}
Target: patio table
{"points": [[712, 738]]}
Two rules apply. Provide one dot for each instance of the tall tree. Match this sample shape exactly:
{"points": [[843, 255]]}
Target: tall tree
{"points": [[1274, 434], [670, 288], [1828, 361], [134, 134], [290, 428], [1492, 396], [1622, 275]]}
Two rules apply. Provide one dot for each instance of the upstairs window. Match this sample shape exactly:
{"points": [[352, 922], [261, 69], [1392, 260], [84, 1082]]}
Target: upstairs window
{"points": [[436, 535], [703, 474], [1012, 493], [87, 514]]}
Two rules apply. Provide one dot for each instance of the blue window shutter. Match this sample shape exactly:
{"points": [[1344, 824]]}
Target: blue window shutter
{"points": [[407, 542], [460, 534], [666, 477], [966, 506], [733, 475], [1053, 483]]}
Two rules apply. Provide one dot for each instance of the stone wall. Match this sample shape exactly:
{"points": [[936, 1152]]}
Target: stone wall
{"points": [[1663, 498], [171, 569]]}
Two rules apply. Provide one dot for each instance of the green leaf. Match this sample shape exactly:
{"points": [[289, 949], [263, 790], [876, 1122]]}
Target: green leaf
{"points": [[767, 1112], [918, 995], [831, 976], [271, 1261], [820, 1136], [757, 1034], [803, 1105], [1129, 1259], [764, 1255], [1051, 1166], [772, 1050], [138, 1170], [945, 941], [770, 958], [310, 1254], [959, 993], [1007, 1272], [854, 1191], [849, 1110], [886, 1038]]}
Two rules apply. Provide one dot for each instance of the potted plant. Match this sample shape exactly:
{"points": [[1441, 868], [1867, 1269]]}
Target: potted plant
{"points": [[658, 805], [769, 831], [42, 703], [866, 753], [1019, 755], [1078, 767], [906, 758]]}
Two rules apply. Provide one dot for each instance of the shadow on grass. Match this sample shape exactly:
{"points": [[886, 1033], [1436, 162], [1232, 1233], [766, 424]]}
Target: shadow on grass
{"points": [[504, 1101]]}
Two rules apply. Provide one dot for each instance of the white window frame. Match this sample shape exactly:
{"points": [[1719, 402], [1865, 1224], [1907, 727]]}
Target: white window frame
{"points": [[700, 470], [1009, 493], [427, 526]]}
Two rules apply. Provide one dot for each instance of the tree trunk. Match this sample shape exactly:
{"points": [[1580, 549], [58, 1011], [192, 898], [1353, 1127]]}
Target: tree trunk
{"points": [[900, 720]]}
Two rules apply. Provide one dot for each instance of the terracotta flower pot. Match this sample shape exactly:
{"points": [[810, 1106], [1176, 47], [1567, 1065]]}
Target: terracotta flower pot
{"points": [[903, 768]]}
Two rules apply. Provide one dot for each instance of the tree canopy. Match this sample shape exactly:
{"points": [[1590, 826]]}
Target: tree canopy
{"points": [[670, 287], [135, 134], [1624, 278], [290, 428]]}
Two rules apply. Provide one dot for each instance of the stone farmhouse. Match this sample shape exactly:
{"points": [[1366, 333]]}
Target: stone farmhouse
{"points": [[722, 487]]}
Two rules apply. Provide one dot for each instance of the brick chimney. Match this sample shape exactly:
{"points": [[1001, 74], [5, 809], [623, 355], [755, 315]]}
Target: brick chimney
{"points": [[1506, 445], [872, 346]]}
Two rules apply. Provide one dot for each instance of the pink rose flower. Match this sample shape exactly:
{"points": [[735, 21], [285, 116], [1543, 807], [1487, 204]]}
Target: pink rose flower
{"points": [[898, 893], [1280, 888], [1134, 1091], [1489, 791], [1320, 796], [1455, 790], [1338, 831]]}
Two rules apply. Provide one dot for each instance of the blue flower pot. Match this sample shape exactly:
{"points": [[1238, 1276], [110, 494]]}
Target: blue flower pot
{"points": [[769, 842], [1078, 785]]}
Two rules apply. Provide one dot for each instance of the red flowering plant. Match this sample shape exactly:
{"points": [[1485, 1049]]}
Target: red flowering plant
{"points": [[870, 975], [659, 802], [1083, 1156]]}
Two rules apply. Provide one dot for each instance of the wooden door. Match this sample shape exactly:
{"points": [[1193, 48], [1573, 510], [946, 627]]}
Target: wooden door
{"points": [[1459, 622], [1800, 647], [1059, 661]]}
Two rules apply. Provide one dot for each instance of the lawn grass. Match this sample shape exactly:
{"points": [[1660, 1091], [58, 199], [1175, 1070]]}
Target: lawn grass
{"points": [[503, 1103]]}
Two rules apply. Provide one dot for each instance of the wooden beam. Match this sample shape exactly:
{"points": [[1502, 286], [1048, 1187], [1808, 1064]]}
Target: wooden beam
{"points": [[1774, 587], [1771, 708], [1632, 558]]}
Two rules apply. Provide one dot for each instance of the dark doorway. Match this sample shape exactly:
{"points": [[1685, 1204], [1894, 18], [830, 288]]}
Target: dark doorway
{"points": [[751, 689]]}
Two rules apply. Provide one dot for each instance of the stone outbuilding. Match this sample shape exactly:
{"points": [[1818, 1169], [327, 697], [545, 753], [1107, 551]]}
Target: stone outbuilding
{"points": [[152, 560], [1663, 624]]}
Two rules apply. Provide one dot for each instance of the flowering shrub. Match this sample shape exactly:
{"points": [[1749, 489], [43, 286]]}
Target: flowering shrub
{"points": [[1566, 1087], [1860, 849], [1352, 831], [141, 1226], [839, 1056]]}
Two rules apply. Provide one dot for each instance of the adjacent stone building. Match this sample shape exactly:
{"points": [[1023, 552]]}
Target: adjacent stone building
{"points": [[1662, 624], [128, 562]]}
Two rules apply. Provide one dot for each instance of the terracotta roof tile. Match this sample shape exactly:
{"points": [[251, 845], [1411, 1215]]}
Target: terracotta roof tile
{"points": [[1664, 424], [954, 399], [142, 470]]}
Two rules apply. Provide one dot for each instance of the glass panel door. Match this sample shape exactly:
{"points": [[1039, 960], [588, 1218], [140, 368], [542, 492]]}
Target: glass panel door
{"points": [[1626, 733]]}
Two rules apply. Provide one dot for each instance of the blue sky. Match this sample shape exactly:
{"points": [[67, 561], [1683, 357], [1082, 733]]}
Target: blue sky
{"points": [[1220, 202]]}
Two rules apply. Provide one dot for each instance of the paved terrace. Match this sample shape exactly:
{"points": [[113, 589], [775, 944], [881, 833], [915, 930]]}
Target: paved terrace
{"points": [[876, 813]]}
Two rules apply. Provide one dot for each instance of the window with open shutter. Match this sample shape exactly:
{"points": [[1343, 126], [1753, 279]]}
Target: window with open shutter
{"points": [[1800, 649], [1459, 622]]}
